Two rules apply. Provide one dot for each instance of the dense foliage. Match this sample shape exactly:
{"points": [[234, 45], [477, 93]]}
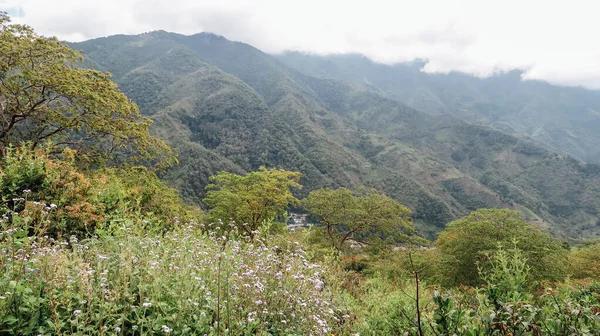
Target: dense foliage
{"points": [[88, 249], [45, 96], [227, 106], [344, 215], [559, 117], [84, 202], [251, 200], [466, 244]]}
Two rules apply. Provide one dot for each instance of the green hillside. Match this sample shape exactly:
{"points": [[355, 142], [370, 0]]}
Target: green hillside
{"points": [[227, 106], [564, 118]]}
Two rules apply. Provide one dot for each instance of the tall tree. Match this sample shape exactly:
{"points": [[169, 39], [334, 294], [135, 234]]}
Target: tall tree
{"points": [[251, 199], [345, 215], [45, 96]]}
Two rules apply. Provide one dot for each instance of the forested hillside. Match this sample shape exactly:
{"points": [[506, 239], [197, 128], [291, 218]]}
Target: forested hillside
{"points": [[565, 118], [93, 242], [227, 106]]}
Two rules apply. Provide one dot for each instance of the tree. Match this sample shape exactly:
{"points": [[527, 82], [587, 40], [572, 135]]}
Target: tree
{"points": [[251, 199], [45, 96], [466, 243], [345, 215], [584, 262]]}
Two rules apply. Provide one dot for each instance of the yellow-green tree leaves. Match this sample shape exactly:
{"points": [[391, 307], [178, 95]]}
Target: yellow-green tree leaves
{"points": [[469, 240], [584, 262], [44, 97], [345, 215], [251, 199]]}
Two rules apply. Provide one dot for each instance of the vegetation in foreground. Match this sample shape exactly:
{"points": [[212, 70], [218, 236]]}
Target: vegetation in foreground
{"points": [[92, 245]]}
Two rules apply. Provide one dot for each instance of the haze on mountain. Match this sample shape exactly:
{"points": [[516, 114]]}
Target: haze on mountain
{"points": [[228, 106], [457, 125], [549, 40]]}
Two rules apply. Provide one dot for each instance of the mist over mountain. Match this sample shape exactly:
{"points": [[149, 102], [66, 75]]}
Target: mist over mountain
{"points": [[443, 145], [563, 118]]}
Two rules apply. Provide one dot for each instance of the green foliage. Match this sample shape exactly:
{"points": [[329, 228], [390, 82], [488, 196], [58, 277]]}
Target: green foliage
{"points": [[45, 96], [399, 264], [365, 217], [469, 239], [185, 283], [389, 309], [504, 305], [508, 278], [584, 262], [227, 106], [82, 203], [248, 201], [554, 116]]}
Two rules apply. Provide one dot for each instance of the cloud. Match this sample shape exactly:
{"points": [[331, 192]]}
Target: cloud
{"points": [[550, 40]]}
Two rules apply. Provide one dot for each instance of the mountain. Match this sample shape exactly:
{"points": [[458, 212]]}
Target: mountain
{"points": [[564, 118], [228, 106]]}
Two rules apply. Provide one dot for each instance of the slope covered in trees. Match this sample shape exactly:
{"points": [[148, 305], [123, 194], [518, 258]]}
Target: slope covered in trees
{"points": [[564, 118], [227, 106], [101, 247]]}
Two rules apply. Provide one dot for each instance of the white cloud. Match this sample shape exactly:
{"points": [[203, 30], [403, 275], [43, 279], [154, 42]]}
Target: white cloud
{"points": [[552, 40]]}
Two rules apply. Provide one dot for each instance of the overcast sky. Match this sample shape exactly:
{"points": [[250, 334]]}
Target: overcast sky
{"points": [[553, 40]]}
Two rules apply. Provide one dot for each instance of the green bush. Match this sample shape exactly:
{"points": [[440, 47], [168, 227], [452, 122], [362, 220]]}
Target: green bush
{"points": [[470, 240], [85, 203]]}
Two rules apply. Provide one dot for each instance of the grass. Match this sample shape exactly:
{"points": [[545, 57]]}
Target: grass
{"points": [[188, 282]]}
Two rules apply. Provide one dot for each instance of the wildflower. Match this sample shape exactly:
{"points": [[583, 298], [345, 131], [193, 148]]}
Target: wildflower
{"points": [[166, 329], [147, 304], [76, 312], [27, 191], [52, 206], [117, 329]]}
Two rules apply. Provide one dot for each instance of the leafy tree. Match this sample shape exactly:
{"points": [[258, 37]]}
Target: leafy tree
{"points": [[584, 262], [251, 199], [345, 215], [466, 243], [45, 96]]}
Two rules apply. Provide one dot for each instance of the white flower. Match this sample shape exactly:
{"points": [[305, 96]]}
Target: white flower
{"points": [[117, 329], [52, 205], [147, 304], [166, 329], [77, 312]]}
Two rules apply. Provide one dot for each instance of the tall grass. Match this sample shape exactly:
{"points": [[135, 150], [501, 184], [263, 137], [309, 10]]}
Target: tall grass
{"points": [[187, 282], [196, 280]]}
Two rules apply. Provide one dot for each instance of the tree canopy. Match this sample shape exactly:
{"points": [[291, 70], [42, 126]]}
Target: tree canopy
{"points": [[471, 239], [45, 96], [345, 215], [251, 199]]}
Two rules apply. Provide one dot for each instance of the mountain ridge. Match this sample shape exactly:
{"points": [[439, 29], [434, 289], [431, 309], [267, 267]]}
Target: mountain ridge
{"points": [[561, 117], [228, 106]]}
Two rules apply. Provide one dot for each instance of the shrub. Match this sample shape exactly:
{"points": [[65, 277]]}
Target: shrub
{"points": [[584, 262], [87, 201], [468, 240]]}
